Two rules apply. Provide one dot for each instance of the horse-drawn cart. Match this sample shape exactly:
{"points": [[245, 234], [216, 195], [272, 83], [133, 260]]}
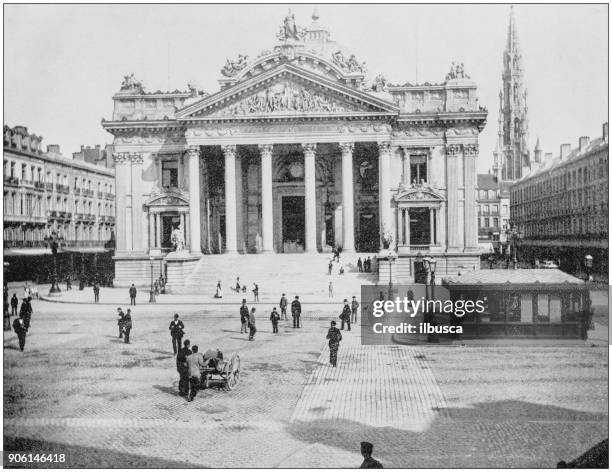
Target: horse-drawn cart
{"points": [[221, 372]]}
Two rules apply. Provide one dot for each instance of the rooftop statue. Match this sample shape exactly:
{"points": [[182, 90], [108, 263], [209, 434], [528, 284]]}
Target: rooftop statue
{"points": [[350, 65], [380, 83], [289, 29], [129, 83], [457, 71], [231, 68]]}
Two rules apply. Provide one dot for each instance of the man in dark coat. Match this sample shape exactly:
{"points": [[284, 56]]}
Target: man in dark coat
{"points": [[255, 292], [127, 326], [26, 312], [133, 295], [345, 316], [296, 311], [330, 267], [335, 336], [274, 317], [121, 317], [283, 306], [252, 328], [176, 331], [96, 291], [20, 330], [354, 307], [14, 304], [183, 370], [368, 461], [359, 265], [244, 317]]}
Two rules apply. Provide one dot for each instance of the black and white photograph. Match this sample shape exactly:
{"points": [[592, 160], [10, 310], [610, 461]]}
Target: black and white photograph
{"points": [[306, 236]]}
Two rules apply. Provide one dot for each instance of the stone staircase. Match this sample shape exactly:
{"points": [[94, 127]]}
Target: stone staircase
{"points": [[294, 274]]}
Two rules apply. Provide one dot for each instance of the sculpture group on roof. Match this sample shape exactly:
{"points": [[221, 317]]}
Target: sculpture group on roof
{"points": [[351, 64], [289, 30], [233, 67], [457, 71], [129, 83]]}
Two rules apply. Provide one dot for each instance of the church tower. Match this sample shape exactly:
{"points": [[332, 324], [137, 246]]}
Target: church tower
{"points": [[511, 155]]}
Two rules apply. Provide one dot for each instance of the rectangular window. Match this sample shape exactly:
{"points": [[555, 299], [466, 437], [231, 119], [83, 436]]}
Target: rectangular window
{"points": [[418, 169], [169, 174], [486, 222], [495, 222]]}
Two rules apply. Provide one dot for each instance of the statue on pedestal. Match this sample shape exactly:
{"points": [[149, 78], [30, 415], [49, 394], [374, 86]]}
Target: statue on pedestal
{"points": [[177, 239]]}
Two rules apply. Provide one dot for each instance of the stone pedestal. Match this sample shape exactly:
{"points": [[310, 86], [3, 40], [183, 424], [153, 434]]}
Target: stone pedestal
{"points": [[179, 266]]}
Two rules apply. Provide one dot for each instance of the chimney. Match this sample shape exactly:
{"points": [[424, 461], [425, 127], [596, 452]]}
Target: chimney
{"points": [[605, 131], [82, 147], [583, 142], [53, 148], [97, 146], [548, 156], [565, 150]]}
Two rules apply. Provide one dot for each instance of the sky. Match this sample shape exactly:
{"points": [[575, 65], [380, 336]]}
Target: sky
{"points": [[63, 63]]}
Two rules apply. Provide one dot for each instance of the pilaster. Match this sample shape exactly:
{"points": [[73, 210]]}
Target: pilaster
{"points": [[310, 196], [229, 151], [348, 203]]}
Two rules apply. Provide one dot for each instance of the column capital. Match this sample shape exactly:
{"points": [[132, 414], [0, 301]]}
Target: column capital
{"points": [[265, 149], [121, 157], [470, 150], [136, 158], [229, 150], [193, 152], [384, 147], [347, 147], [309, 148], [453, 150]]}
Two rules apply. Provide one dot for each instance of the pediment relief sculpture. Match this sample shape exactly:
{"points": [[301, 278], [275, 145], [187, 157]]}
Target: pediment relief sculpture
{"points": [[169, 196], [417, 192], [231, 68]]}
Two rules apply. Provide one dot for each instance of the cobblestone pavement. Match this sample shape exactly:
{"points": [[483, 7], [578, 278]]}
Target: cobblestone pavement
{"points": [[78, 388]]}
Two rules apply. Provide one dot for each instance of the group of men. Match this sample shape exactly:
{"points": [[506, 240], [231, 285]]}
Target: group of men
{"points": [[365, 265], [349, 313], [124, 321], [189, 364], [247, 317]]}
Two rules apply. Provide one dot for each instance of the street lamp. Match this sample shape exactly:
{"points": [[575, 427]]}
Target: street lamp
{"points": [[391, 257], [54, 242], [588, 264], [430, 265], [152, 290], [514, 236]]}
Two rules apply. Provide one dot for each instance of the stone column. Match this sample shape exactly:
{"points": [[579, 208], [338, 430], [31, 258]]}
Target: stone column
{"points": [[151, 231], [137, 217], [470, 154], [432, 236], [406, 178], [348, 204], [452, 151], [267, 218], [158, 232], [183, 224], [193, 154], [122, 181], [229, 152], [384, 187], [310, 196]]}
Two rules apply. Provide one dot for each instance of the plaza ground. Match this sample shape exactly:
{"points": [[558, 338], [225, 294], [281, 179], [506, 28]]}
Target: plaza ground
{"points": [[79, 389]]}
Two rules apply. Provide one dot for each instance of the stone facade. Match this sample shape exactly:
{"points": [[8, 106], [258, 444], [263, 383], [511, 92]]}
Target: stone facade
{"points": [[298, 151], [493, 201]]}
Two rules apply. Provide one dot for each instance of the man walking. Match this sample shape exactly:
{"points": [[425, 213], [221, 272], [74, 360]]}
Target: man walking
{"points": [[21, 330], [176, 331], [127, 326], [96, 291], [244, 317], [252, 328], [330, 266], [274, 318], [14, 304], [345, 316], [330, 289], [368, 461], [296, 311], [195, 361], [26, 312], [132, 295], [255, 293], [283, 306], [335, 336], [359, 265], [183, 369], [354, 306], [121, 317]]}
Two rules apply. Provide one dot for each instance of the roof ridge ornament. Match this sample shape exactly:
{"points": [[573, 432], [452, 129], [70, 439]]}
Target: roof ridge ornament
{"points": [[289, 30], [231, 68]]}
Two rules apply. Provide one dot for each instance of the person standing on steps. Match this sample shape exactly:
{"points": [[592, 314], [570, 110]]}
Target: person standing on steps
{"points": [[354, 307], [133, 294], [244, 317], [335, 336], [283, 306], [274, 318], [345, 316], [296, 311], [14, 304], [177, 329]]}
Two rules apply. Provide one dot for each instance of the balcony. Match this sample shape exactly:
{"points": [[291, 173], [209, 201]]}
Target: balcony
{"points": [[77, 191], [87, 193], [77, 243], [109, 196], [100, 194], [62, 188], [23, 244], [39, 185], [11, 181], [49, 186]]}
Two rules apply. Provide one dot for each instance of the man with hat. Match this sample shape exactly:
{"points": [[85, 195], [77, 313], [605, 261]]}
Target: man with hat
{"points": [[283, 306], [354, 306], [176, 331], [368, 461], [335, 336], [121, 316], [21, 330], [274, 318], [296, 311], [345, 316], [244, 317], [127, 326], [183, 369], [252, 327]]}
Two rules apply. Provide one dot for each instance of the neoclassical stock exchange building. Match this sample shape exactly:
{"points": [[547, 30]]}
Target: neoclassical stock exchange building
{"points": [[297, 152]]}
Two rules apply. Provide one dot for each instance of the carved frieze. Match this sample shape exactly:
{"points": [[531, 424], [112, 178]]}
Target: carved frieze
{"points": [[365, 128], [463, 131], [149, 137], [420, 132]]}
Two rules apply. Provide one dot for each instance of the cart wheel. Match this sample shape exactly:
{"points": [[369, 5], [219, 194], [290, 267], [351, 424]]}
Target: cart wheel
{"points": [[230, 381]]}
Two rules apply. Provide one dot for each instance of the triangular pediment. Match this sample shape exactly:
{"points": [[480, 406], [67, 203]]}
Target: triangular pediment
{"points": [[289, 92], [417, 193], [169, 197]]}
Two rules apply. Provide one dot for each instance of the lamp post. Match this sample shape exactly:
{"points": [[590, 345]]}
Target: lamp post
{"points": [[514, 236], [430, 265], [391, 257], [588, 264], [152, 290], [53, 241]]}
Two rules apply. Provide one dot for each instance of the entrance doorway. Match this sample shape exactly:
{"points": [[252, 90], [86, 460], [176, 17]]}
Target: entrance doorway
{"points": [[368, 239], [293, 223], [169, 222], [420, 232]]}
